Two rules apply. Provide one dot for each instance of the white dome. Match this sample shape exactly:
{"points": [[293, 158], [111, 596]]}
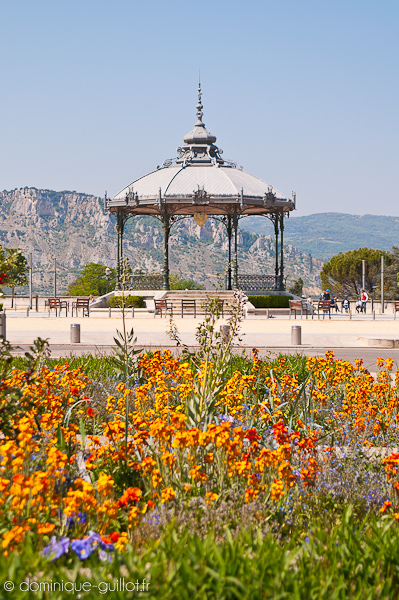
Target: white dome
{"points": [[179, 181]]}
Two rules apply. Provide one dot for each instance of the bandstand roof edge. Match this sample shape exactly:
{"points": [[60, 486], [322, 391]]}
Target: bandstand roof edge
{"points": [[199, 180]]}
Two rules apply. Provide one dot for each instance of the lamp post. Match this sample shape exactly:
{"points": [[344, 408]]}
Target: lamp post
{"points": [[373, 288], [107, 274]]}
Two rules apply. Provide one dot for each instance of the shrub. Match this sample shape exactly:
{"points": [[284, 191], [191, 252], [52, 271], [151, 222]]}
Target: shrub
{"points": [[92, 280], [270, 301], [130, 302]]}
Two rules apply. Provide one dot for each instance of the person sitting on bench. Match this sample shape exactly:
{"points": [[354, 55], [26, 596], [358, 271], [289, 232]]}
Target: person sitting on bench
{"points": [[345, 305], [334, 304]]}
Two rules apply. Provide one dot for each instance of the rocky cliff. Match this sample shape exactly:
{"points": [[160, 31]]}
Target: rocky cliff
{"points": [[74, 229]]}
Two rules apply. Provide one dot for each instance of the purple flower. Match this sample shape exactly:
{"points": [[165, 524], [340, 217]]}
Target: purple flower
{"points": [[82, 548], [104, 556], [80, 518], [56, 549]]}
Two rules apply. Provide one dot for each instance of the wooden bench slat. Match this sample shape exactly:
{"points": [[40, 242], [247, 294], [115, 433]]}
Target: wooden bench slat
{"points": [[161, 305], [190, 305]]}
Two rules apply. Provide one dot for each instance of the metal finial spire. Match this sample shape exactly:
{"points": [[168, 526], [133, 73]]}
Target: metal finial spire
{"points": [[199, 122]]}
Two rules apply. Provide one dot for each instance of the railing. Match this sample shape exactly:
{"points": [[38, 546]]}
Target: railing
{"points": [[146, 282], [252, 283]]}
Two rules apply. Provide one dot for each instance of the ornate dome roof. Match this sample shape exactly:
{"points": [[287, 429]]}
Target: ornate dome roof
{"points": [[200, 171]]}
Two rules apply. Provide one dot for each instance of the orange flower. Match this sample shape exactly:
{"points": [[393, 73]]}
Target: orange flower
{"points": [[167, 494], [130, 495], [387, 504], [46, 528]]}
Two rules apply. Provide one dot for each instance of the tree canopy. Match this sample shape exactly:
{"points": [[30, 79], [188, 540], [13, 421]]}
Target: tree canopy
{"points": [[183, 284], [92, 280], [13, 268], [297, 287], [343, 273]]}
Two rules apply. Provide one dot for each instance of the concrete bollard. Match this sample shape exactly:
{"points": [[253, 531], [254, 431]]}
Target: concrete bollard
{"points": [[75, 333], [296, 335], [373, 315], [225, 332], [3, 325], [109, 312]]}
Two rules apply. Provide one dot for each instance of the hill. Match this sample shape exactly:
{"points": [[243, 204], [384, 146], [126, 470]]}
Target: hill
{"points": [[324, 234], [74, 229]]}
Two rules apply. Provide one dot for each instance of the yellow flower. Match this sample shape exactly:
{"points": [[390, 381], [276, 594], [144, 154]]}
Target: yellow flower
{"points": [[104, 484]]}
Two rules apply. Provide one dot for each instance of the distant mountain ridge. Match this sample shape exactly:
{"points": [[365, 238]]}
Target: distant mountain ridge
{"points": [[74, 229], [324, 234]]}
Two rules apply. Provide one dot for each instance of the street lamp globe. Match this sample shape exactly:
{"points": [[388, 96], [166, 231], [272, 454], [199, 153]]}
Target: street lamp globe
{"points": [[107, 275]]}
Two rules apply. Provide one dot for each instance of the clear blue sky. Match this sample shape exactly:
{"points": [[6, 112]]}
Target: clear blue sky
{"points": [[303, 94]]}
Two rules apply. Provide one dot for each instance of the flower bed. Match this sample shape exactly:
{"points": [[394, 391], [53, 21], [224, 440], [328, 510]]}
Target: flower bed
{"points": [[89, 468]]}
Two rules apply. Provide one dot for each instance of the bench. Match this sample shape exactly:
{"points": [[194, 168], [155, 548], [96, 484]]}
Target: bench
{"points": [[298, 305], [82, 303], [324, 306], [190, 306], [161, 305], [57, 305]]}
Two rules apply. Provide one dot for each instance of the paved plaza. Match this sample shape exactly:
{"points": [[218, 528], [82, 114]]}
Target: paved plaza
{"points": [[360, 337]]}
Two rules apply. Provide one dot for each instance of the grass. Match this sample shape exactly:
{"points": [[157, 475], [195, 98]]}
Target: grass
{"points": [[350, 560]]}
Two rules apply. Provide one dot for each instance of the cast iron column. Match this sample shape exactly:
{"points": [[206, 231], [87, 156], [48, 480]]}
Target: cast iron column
{"points": [[229, 232], [276, 231], [166, 231], [281, 251], [235, 227], [119, 228]]}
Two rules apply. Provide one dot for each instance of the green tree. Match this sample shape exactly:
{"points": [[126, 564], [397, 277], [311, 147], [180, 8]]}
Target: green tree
{"points": [[182, 284], [297, 287], [14, 267], [343, 273], [92, 280], [391, 274]]}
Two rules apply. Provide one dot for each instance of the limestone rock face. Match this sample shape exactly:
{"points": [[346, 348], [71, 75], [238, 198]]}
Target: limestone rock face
{"points": [[74, 229]]}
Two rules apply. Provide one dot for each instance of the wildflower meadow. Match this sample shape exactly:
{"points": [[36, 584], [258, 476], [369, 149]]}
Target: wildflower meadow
{"points": [[202, 475]]}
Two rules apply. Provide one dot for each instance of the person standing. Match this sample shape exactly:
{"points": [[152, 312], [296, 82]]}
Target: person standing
{"points": [[363, 299]]}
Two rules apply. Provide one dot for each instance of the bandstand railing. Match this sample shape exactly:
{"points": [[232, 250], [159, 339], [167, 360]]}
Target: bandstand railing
{"points": [[146, 281], [248, 283], [253, 283]]}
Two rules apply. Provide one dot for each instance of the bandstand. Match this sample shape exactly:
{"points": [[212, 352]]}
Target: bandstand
{"points": [[199, 183]]}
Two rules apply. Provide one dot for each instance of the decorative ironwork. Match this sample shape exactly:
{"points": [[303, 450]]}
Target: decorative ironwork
{"points": [[146, 281], [252, 283], [131, 197], [200, 196], [269, 198], [168, 162]]}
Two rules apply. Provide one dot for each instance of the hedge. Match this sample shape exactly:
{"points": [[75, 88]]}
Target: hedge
{"points": [[270, 301], [130, 302]]}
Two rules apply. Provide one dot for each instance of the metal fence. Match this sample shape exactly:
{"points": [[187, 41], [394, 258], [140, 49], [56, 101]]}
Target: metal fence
{"points": [[252, 283], [146, 282]]}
